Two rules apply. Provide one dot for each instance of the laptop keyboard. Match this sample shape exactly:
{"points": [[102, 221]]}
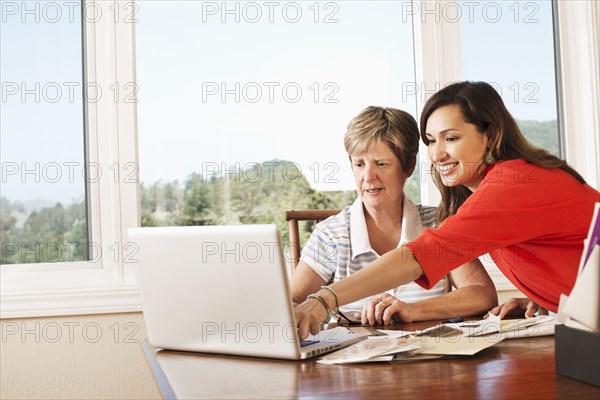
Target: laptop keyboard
{"points": [[307, 342]]}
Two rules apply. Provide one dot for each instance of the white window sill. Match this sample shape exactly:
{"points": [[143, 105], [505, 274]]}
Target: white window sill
{"points": [[99, 300]]}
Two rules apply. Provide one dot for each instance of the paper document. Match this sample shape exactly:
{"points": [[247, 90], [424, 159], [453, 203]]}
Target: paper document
{"points": [[581, 308], [369, 349], [593, 238], [583, 304], [442, 340], [542, 325], [457, 345]]}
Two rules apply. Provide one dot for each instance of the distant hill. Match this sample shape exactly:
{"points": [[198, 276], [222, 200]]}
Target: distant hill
{"points": [[37, 204], [543, 134]]}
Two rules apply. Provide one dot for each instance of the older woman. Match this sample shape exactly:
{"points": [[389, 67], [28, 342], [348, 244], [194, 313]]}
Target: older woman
{"points": [[382, 144]]}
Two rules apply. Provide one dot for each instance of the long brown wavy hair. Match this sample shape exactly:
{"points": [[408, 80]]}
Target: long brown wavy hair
{"points": [[483, 107]]}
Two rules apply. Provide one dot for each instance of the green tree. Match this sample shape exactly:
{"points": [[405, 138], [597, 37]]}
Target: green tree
{"points": [[172, 196], [52, 234], [196, 202]]}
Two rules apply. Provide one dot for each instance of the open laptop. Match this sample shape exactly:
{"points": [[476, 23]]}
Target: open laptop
{"points": [[223, 289]]}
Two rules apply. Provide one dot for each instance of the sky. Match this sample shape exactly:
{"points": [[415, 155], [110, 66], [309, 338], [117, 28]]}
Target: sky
{"points": [[248, 82], [41, 116]]}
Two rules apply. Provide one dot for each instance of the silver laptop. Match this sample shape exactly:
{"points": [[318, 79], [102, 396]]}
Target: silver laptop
{"points": [[223, 289]]}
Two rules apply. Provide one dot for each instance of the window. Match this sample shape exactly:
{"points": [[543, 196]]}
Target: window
{"points": [[511, 45], [244, 105], [73, 118], [43, 216]]}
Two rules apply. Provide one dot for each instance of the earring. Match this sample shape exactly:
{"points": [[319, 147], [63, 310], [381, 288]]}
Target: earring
{"points": [[489, 159]]}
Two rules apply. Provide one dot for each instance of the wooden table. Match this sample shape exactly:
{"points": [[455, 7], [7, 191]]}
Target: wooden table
{"points": [[512, 369]]}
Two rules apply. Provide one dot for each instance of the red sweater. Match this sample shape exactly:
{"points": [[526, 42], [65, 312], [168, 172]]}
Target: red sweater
{"points": [[531, 220]]}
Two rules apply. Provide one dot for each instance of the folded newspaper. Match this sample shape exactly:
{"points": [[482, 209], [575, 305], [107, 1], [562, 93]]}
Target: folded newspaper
{"points": [[443, 340]]}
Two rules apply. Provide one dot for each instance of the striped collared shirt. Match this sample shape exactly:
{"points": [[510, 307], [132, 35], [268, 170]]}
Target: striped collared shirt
{"points": [[339, 247]]}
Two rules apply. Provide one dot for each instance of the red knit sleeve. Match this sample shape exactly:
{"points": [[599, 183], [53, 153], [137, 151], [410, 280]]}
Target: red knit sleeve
{"points": [[515, 203]]}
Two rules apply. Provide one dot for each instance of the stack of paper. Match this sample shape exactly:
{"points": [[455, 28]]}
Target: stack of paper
{"points": [[581, 309], [443, 340]]}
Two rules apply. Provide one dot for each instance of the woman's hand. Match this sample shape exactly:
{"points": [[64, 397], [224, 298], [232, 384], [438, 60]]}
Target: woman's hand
{"points": [[309, 316], [381, 309], [513, 303]]}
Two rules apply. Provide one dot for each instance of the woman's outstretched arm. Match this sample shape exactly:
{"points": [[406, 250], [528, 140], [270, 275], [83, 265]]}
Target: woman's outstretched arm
{"points": [[391, 270]]}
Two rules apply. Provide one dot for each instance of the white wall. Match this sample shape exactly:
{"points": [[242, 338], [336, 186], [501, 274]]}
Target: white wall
{"points": [[75, 357]]}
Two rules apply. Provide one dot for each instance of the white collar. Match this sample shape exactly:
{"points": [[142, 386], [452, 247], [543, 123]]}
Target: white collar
{"points": [[359, 237]]}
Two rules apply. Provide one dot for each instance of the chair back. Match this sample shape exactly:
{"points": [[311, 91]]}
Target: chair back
{"points": [[292, 217]]}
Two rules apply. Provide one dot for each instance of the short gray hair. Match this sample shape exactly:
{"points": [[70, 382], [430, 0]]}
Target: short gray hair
{"points": [[395, 127]]}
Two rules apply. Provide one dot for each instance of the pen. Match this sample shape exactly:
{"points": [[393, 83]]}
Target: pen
{"points": [[453, 320]]}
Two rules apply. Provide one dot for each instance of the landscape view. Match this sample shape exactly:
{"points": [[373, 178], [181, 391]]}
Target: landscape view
{"points": [[36, 231]]}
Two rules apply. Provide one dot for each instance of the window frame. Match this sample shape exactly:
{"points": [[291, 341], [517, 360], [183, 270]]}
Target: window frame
{"points": [[68, 289], [108, 284], [578, 85]]}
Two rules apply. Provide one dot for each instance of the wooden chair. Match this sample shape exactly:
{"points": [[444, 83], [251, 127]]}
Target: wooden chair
{"points": [[292, 218]]}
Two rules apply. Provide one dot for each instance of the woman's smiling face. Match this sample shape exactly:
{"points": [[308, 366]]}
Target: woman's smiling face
{"points": [[456, 147]]}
